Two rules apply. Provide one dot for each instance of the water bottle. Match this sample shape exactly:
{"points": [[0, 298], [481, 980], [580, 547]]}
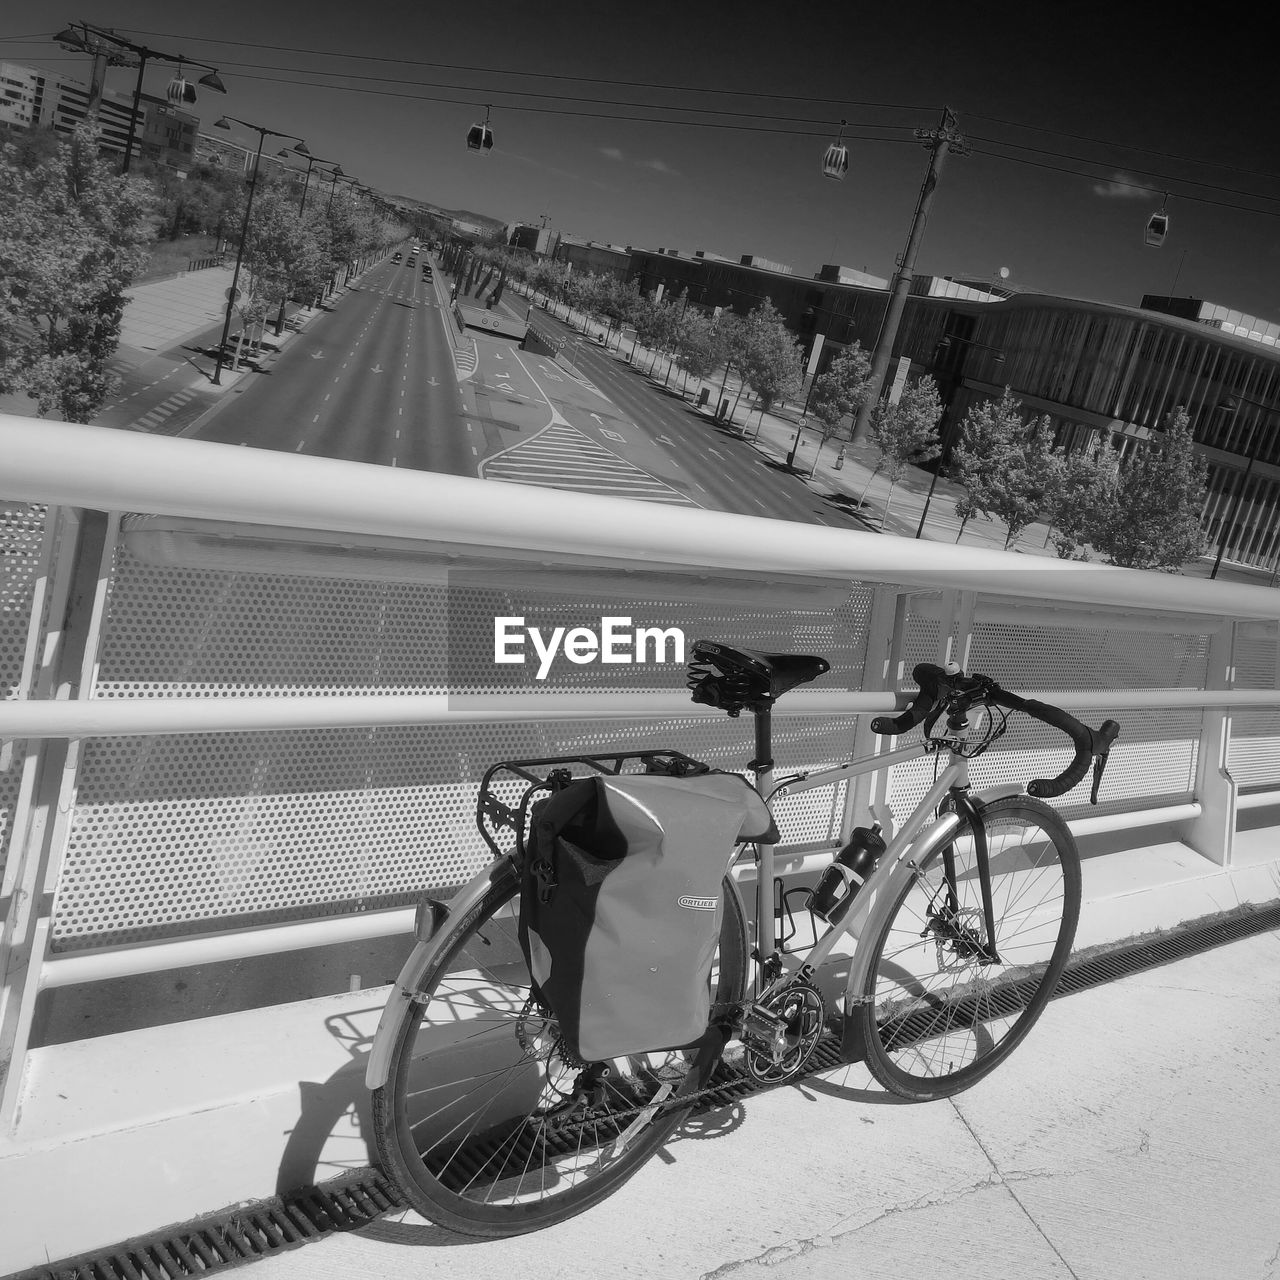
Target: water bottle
{"points": [[845, 876]]}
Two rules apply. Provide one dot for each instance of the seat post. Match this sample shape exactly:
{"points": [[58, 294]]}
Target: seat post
{"points": [[763, 761], [766, 919]]}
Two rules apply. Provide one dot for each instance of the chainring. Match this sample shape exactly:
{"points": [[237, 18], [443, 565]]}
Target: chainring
{"points": [[781, 1033]]}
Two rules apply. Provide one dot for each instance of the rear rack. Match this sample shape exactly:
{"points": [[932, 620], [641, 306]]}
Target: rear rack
{"points": [[496, 816]]}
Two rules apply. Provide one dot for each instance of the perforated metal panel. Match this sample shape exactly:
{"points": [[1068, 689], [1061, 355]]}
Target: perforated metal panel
{"points": [[180, 834], [1154, 760], [176, 835], [1254, 753], [22, 528]]}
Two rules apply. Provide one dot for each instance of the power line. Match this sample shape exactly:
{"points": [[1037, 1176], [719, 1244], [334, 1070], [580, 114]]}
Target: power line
{"points": [[1160, 177], [1076, 173], [588, 115], [1123, 146], [543, 75], [298, 77], [529, 93]]}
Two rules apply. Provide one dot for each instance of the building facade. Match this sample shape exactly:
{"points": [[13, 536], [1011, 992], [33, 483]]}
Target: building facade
{"points": [[1096, 369], [32, 99]]}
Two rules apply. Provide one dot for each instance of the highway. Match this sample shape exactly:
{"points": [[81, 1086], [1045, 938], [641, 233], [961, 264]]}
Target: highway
{"points": [[376, 380], [637, 437], [371, 381]]}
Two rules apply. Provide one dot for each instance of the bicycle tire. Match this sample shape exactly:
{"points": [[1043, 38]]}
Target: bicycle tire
{"points": [[521, 1163], [935, 1018]]}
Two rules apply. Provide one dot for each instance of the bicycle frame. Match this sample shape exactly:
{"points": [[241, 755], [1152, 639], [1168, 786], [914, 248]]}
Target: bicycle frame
{"points": [[915, 839], [912, 842]]}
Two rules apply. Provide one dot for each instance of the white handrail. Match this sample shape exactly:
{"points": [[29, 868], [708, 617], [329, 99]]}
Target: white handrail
{"points": [[130, 717], [100, 469]]}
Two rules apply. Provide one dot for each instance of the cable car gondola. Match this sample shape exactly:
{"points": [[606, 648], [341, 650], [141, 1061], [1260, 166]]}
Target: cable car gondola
{"points": [[180, 90], [480, 136], [835, 164], [1158, 226]]}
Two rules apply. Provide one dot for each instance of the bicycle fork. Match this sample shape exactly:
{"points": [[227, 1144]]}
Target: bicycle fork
{"points": [[972, 811]]}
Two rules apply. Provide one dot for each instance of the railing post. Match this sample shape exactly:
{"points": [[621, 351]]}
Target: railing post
{"points": [[66, 648], [1212, 834], [878, 672]]}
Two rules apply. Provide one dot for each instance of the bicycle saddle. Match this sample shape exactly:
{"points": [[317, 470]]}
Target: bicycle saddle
{"points": [[746, 677]]}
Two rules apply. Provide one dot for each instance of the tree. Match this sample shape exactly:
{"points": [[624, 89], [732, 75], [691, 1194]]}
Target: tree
{"points": [[277, 250], [1003, 464], [1082, 495], [698, 349], [767, 356], [731, 341], [1154, 522], [73, 234], [905, 433], [841, 390], [653, 326]]}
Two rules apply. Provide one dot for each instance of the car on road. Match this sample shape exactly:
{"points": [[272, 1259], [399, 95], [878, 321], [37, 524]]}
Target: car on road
{"points": [[395, 257], [426, 271]]}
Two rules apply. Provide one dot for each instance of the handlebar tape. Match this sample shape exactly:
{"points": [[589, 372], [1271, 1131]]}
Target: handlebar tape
{"points": [[1090, 743], [927, 675]]}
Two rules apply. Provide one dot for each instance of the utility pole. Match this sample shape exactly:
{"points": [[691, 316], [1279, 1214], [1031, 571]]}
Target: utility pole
{"points": [[945, 138]]}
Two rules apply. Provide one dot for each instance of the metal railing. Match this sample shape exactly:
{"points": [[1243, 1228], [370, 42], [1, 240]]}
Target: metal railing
{"points": [[124, 629]]}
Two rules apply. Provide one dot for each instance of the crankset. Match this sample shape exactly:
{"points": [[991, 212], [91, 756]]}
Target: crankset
{"points": [[781, 1033]]}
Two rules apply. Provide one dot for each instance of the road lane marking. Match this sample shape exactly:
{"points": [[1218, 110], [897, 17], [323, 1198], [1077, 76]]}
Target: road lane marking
{"points": [[300, 444]]}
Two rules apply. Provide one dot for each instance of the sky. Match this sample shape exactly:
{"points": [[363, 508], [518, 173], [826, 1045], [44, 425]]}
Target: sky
{"points": [[703, 125]]}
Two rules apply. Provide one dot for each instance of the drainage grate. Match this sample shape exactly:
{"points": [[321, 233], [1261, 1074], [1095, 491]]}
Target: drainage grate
{"points": [[234, 1237]]}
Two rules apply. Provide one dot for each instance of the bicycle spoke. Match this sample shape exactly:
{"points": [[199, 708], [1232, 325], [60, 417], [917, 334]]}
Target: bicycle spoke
{"points": [[941, 1011]]}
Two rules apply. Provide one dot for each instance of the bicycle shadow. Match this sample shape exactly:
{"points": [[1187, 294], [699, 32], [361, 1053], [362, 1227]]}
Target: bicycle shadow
{"points": [[333, 1136]]}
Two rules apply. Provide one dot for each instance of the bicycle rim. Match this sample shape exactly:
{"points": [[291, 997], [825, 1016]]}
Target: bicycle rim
{"points": [[479, 1122], [938, 1014]]}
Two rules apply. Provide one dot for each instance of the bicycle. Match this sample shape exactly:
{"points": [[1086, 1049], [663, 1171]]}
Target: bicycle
{"points": [[961, 931]]}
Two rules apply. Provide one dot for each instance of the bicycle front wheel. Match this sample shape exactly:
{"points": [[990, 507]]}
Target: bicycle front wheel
{"points": [[942, 1006], [485, 1125]]}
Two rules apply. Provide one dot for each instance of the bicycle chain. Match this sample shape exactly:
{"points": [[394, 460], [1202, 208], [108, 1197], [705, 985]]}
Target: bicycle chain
{"points": [[684, 1100]]}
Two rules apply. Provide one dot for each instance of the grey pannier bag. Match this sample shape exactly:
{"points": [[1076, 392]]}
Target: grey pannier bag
{"points": [[621, 904]]}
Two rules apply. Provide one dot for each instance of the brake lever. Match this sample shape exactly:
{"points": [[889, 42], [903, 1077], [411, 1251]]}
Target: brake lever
{"points": [[1098, 766]]}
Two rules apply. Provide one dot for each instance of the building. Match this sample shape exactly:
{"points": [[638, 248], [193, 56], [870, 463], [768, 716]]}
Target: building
{"points": [[169, 134], [833, 274], [1098, 370], [523, 235], [32, 99], [598, 259]]}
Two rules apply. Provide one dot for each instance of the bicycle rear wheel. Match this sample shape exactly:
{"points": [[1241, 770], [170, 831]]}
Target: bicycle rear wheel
{"points": [[937, 1014], [485, 1126]]}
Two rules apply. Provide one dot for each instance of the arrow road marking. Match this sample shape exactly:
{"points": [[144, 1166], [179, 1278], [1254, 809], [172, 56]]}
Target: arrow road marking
{"points": [[431, 382], [317, 355], [612, 435], [377, 368]]}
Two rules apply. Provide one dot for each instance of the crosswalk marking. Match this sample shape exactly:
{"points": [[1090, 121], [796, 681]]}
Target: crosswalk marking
{"points": [[562, 457], [150, 420]]}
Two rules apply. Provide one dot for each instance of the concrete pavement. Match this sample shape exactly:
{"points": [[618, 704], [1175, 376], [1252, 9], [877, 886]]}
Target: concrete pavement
{"points": [[1134, 1136]]}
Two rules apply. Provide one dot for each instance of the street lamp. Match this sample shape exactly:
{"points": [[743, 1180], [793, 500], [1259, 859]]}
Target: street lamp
{"points": [[333, 184], [948, 342], [1232, 407], [289, 153], [232, 293], [119, 52]]}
